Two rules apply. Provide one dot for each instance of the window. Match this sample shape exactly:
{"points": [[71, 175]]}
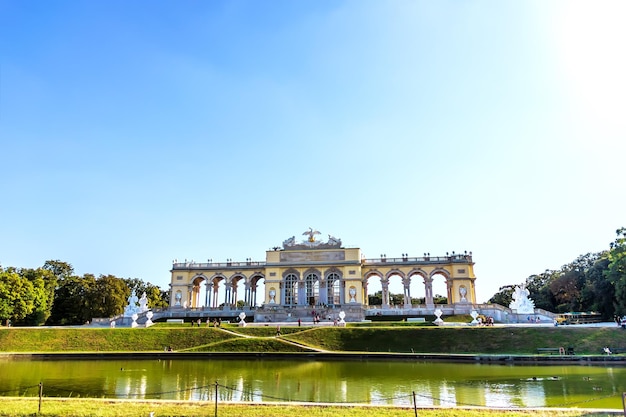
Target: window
{"points": [[312, 288], [291, 289], [332, 286]]}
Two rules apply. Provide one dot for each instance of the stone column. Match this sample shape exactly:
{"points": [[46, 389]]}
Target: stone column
{"points": [[247, 294], [233, 294], [364, 297], [385, 285], [323, 292], [281, 288], [209, 288], [407, 293], [215, 289], [252, 297], [228, 296], [428, 288], [302, 301]]}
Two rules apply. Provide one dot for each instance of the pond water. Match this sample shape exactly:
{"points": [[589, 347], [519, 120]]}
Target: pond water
{"points": [[369, 382]]}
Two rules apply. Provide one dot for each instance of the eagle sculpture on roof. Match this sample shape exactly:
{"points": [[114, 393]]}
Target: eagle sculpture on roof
{"points": [[311, 234]]}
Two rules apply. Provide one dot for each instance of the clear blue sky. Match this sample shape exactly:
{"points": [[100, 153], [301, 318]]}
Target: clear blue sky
{"points": [[133, 133]]}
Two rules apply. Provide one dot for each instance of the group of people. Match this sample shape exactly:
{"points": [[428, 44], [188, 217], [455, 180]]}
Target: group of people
{"points": [[488, 321], [216, 322]]}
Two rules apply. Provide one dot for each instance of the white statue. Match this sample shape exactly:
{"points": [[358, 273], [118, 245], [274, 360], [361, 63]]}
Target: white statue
{"points": [[521, 303], [149, 315], [143, 303], [474, 315], [342, 316], [352, 294], [334, 241], [463, 293], [131, 308], [438, 312], [272, 296], [289, 242]]}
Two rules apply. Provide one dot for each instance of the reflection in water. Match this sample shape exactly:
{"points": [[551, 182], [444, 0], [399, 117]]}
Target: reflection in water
{"points": [[374, 382]]}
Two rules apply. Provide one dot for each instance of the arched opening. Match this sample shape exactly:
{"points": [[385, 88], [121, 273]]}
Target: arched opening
{"points": [[215, 291], [197, 299], [257, 286], [396, 293], [417, 289], [374, 290], [440, 287], [237, 292]]}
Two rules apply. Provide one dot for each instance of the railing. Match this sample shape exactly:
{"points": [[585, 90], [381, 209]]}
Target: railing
{"points": [[461, 258], [208, 265], [456, 258]]}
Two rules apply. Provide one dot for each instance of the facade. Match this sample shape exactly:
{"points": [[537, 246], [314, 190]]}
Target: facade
{"points": [[315, 273]]}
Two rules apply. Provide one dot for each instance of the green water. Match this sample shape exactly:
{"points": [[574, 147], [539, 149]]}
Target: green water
{"points": [[372, 382]]}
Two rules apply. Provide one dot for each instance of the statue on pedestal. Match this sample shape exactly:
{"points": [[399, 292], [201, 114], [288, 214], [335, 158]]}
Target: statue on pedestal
{"points": [[521, 304], [131, 307], [143, 303]]}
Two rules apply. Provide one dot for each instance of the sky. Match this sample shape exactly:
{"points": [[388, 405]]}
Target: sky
{"points": [[135, 133]]}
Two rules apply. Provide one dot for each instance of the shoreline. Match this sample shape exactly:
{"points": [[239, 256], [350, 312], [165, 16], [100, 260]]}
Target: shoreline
{"points": [[356, 356]]}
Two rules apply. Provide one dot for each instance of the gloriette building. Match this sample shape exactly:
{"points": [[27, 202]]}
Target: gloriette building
{"points": [[312, 273]]}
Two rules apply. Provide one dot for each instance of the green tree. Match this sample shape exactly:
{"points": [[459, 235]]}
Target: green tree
{"points": [[440, 299], [59, 269], [16, 296], [539, 287], [44, 283], [504, 296], [157, 298], [375, 299], [72, 300], [566, 289], [598, 291], [616, 271], [108, 296]]}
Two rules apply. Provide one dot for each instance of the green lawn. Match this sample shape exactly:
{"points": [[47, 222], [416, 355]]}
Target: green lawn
{"points": [[22, 407]]}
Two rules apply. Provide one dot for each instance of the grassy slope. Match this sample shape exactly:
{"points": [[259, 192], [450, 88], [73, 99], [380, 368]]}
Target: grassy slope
{"points": [[491, 340], [106, 340], [494, 340]]}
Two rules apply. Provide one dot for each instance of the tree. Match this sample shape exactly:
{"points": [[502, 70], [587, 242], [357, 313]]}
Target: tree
{"points": [[504, 296], [566, 289], [72, 301], [616, 271], [539, 287], [44, 283], [156, 297], [16, 296], [598, 291], [375, 299], [60, 269], [440, 299], [108, 297]]}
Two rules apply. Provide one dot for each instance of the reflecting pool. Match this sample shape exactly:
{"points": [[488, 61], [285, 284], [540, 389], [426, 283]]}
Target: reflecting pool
{"points": [[370, 382]]}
